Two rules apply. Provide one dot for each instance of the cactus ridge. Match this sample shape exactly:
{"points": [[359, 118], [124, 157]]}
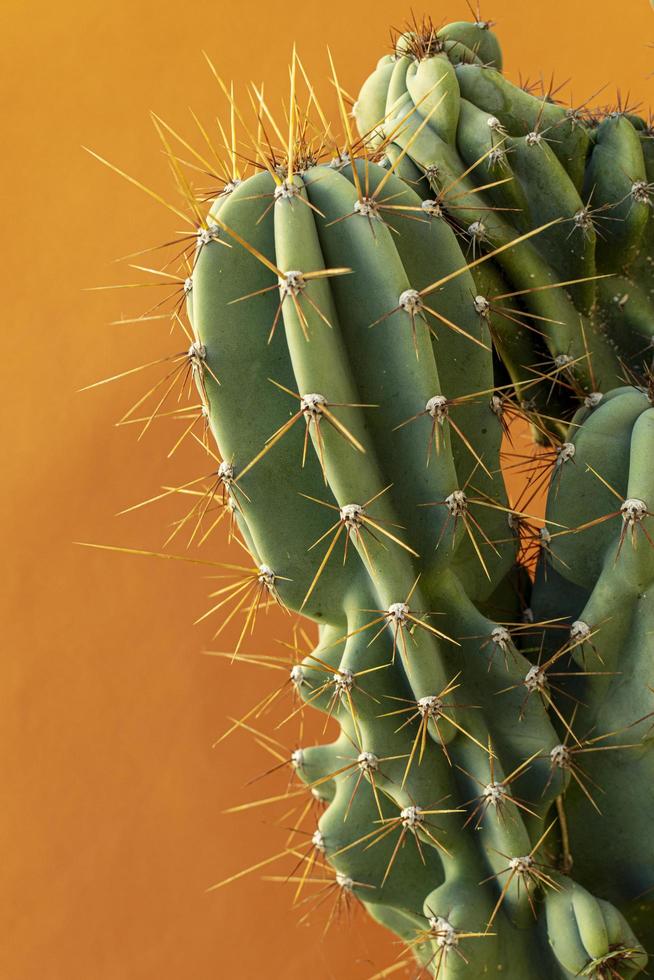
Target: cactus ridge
{"points": [[368, 323]]}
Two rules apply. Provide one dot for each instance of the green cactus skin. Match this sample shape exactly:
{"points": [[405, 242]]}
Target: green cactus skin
{"points": [[536, 162], [345, 337], [360, 328], [610, 620]]}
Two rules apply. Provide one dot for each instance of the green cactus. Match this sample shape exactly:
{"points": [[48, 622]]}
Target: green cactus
{"points": [[436, 711], [610, 561], [359, 363], [498, 158]]}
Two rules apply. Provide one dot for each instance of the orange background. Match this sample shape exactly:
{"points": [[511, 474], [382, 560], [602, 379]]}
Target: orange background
{"points": [[111, 824]]}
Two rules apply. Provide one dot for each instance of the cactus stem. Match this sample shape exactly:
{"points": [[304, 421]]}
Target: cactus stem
{"points": [[607, 967], [457, 504], [292, 285], [527, 872], [537, 681], [410, 821], [633, 512], [447, 939], [411, 302], [365, 766], [496, 794], [438, 409], [401, 620], [341, 684], [353, 519], [278, 527], [313, 408], [564, 757], [430, 709]]}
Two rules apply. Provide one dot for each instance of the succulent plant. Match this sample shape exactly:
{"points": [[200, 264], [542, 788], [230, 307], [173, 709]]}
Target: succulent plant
{"points": [[370, 323], [494, 159], [600, 580]]}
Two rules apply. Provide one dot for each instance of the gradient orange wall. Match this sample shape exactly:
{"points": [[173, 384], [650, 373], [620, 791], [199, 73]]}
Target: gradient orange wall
{"points": [[111, 824]]}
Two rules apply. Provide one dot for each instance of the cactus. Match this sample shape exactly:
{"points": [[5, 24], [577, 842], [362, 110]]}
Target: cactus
{"points": [[347, 343], [416, 694], [499, 158], [600, 580]]}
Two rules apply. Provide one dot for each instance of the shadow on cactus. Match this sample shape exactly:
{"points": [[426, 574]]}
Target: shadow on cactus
{"points": [[371, 320]]}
